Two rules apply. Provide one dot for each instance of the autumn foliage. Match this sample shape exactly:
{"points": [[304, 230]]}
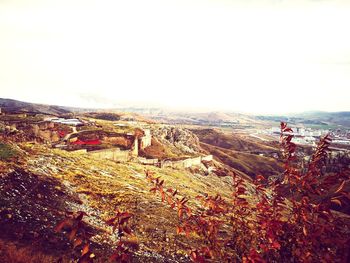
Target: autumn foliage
{"points": [[74, 227], [77, 234], [288, 219], [126, 239]]}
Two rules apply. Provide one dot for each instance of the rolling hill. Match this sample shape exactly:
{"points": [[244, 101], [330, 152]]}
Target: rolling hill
{"points": [[9, 105], [240, 153]]}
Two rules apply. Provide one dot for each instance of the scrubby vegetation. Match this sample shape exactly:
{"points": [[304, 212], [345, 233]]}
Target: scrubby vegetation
{"points": [[265, 226], [6, 151], [103, 116], [119, 216]]}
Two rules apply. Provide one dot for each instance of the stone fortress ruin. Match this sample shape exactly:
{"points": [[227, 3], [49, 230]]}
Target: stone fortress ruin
{"points": [[86, 137]]}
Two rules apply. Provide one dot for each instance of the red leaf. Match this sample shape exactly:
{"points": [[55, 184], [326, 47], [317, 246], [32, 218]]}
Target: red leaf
{"points": [[72, 234], [62, 224], [77, 242], [260, 178], [127, 230], [340, 187], [304, 230], [276, 245], [283, 125], [195, 257], [110, 222], [178, 230], [125, 218], [170, 200], [336, 201], [85, 249]]}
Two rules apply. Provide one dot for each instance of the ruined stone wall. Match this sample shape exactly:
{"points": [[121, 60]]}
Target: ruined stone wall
{"points": [[145, 141], [135, 148], [167, 163], [122, 156], [44, 125], [192, 162], [45, 134], [177, 164], [143, 160], [121, 141], [207, 158], [114, 154], [187, 163]]}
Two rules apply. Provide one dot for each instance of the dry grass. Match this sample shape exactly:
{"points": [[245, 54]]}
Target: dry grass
{"points": [[6, 151], [231, 141], [250, 164], [103, 185]]}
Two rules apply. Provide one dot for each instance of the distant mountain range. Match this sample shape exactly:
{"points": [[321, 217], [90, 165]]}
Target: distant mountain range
{"points": [[181, 117], [205, 118], [320, 118], [9, 105]]}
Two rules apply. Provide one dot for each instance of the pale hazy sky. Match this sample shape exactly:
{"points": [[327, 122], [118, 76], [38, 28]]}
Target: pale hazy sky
{"points": [[253, 56]]}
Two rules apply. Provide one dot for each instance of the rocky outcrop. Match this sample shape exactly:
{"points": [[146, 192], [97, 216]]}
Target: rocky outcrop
{"points": [[45, 132], [181, 138]]}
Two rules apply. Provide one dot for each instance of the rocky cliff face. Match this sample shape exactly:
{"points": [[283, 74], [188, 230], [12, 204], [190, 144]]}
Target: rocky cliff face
{"points": [[183, 139]]}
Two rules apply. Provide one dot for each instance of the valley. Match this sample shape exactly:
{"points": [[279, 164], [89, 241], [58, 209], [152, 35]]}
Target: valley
{"points": [[55, 162]]}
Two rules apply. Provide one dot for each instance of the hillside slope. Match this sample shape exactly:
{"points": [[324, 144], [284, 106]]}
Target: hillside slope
{"points": [[40, 184], [247, 163], [232, 141], [240, 153]]}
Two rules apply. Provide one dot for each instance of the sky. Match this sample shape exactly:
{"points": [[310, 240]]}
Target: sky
{"points": [[264, 56]]}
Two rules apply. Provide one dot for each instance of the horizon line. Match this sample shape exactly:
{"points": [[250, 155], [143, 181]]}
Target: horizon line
{"points": [[175, 109]]}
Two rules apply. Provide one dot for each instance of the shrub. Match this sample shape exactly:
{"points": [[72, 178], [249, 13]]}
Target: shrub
{"points": [[76, 233], [6, 151], [287, 220]]}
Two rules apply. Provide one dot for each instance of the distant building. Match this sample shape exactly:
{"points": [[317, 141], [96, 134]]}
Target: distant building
{"points": [[72, 122], [342, 141]]}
